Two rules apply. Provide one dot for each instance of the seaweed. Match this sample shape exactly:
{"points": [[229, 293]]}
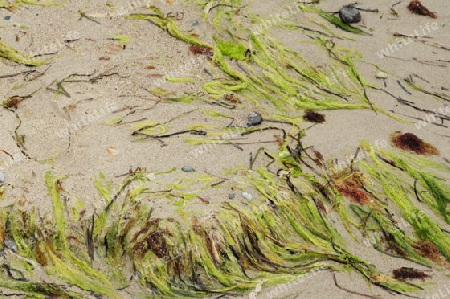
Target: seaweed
{"points": [[242, 239], [17, 3], [313, 116], [12, 54], [276, 84], [405, 273], [287, 231], [201, 50], [232, 50], [282, 240], [417, 7], [122, 39], [412, 143]]}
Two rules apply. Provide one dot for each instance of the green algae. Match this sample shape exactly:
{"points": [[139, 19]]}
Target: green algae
{"points": [[167, 24], [280, 235], [232, 50], [12, 54], [122, 39], [179, 80], [277, 84], [19, 3]]}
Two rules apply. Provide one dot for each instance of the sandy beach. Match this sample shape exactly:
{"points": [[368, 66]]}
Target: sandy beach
{"points": [[167, 99]]}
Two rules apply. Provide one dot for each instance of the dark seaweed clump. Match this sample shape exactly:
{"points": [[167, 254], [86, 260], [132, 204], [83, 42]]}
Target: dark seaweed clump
{"points": [[429, 250], [201, 50], [405, 273], [313, 116], [416, 6], [412, 143]]}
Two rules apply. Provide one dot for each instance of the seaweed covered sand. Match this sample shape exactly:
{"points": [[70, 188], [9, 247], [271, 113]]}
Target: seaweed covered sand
{"points": [[130, 170]]}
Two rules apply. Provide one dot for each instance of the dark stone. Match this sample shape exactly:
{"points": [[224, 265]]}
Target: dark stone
{"points": [[10, 244], [349, 15], [187, 169], [254, 119], [6, 18]]}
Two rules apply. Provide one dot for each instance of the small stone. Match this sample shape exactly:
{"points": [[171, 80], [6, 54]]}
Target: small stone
{"points": [[187, 169], [254, 119], [381, 75], [231, 196], [2, 177], [247, 195], [10, 244], [195, 23], [7, 18], [349, 15]]}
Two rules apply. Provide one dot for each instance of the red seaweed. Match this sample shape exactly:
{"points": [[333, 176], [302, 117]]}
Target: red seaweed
{"points": [[416, 6], [412, 143]]}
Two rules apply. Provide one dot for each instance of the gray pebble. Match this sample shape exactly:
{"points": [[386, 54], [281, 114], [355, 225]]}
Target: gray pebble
{"points": [[247, 195], [6, 18], [254, 119], [10, 244], [349, 15], [231, 196], [187, 169], [2, 177], [195, 23]]}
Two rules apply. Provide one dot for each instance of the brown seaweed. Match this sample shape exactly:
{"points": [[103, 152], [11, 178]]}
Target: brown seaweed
{"points": [[405, 273], [412, 143], [416, 6], [313, 116]]}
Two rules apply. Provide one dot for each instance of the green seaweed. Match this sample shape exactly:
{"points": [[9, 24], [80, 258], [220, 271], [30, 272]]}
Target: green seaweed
{"points": [[12, 54], [167, 24], [286, 232], [18, 3], [232, 50], [122, 39], [276, 83], [179, 80]]}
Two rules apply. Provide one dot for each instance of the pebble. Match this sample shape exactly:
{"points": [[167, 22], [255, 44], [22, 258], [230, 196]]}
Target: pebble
{"points": [[187, 169], [195, 23], [247, 195], [10, 244], [381, 75], [254, 119], [6, 18], [2, 177], [349, 15], [231, 196]]}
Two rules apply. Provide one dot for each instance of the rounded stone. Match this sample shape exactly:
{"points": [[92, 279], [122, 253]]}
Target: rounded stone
{"points": [[349, 15], [10, 244], [247, 195], [187, 169], [254, 119]]}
